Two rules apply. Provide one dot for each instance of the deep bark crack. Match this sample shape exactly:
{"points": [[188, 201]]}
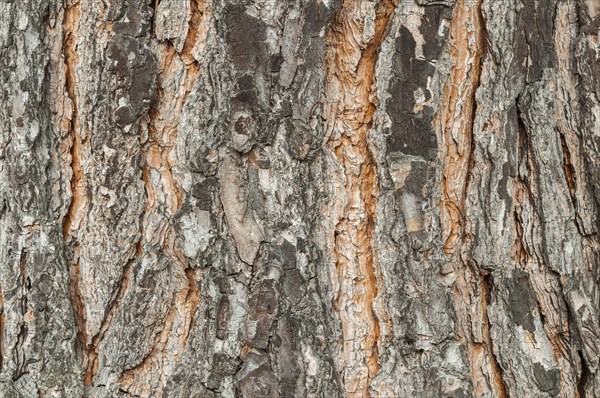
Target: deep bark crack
{"points": [[91, 351], [466, 49], [522, 194], [456, 120], [486, 288], [353, 246], [70, 22], [162, 136]]}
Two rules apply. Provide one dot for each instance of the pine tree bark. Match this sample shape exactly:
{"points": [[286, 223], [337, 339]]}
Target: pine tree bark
{"points": [[312, 198]]}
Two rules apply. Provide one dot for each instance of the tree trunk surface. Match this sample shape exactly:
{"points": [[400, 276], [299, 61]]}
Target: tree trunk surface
{"points": [[308, 198]]}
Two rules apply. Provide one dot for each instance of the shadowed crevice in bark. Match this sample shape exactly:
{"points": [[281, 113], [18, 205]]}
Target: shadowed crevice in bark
{"points": [[75, 211], [522, 194], [487, 287], [584, 377], [71, 16]]}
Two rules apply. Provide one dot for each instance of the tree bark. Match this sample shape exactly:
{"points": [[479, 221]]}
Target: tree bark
{"points": [[311, 198]]}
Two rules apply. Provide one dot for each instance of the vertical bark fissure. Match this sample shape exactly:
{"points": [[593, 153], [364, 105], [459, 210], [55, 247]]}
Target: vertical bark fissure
{"points": [[91, 351], [570, 178], [192, 68], [192, 298], [70, 21], [457, 116], [534, 262], [186, 301], [161, 135], [457, 119], [522, 192], [163, 127], [23, 304], [128, 376], [71, 15], [569, 120], [353, 247], [584, 377], [498, 374]]}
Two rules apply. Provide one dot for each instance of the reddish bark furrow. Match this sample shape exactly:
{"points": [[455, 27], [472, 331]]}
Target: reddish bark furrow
{"points": [[70, 24], [171, 99], [78, 203], [456, 118], [163, 131], [457, 114], [134, 379], [91, 351], [352, 119], [170, 340]]}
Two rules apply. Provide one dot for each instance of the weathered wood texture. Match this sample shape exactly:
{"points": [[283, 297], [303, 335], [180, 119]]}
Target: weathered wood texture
{"points": [[308, 198]]}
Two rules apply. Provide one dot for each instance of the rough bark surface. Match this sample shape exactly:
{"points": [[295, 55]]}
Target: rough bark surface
{"points": [[308, 198]]}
